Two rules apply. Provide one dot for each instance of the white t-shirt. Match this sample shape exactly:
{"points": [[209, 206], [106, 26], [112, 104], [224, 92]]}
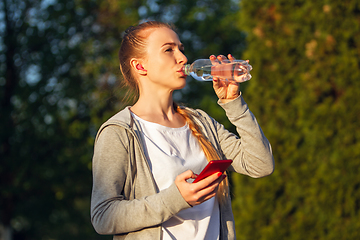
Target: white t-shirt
{"points": [[170, 152]]}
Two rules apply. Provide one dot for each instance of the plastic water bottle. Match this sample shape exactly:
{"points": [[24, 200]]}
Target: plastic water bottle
{"points": [[205, 70]]}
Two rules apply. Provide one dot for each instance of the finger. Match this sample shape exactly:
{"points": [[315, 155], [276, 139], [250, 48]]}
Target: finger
{"points": [[224, 70], [214, 60], [222, 59], [221, 178], [186, 175], [220, 85], [210, 191], [207, 181], [223, 83], [233, 90], [219, 89], [231, 58], [207, 197], [216, 83]]}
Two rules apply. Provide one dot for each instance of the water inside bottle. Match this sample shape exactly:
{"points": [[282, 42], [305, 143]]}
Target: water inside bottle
{"points": [[204, 70], [232, 71]]}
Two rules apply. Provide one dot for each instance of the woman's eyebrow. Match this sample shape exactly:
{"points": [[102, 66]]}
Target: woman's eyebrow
{"points": [[181, 46]]}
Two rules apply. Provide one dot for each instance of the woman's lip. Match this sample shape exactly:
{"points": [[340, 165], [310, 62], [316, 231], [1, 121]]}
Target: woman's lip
{"points": [[182, 73]]}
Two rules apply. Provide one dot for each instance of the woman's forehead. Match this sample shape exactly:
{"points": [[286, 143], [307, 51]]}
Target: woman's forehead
{"points": [[161, 36]]}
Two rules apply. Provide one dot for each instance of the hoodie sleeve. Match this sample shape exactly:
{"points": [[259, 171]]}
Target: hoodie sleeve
{"points": [[113, 209], [251, 153]]}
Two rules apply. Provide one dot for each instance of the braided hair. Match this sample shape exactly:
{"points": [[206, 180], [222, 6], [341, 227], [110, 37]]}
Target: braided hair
{"points": [[208, 149], [134, 46]]}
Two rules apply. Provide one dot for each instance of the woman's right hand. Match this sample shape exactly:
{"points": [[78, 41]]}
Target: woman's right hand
{"points": [[196, 193], [225, 90]]}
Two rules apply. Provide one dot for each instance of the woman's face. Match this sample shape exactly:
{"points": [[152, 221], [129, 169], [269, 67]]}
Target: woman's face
{"points": [[165, 59]]}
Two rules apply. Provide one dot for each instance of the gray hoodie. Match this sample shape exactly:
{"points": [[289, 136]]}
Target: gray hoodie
{"points": [[125, 200]]}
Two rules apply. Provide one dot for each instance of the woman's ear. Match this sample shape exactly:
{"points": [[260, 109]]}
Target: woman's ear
{"points": [[138, 67]]}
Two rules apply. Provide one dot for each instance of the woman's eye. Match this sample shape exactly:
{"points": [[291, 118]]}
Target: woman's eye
{"points": [[169, 50]]}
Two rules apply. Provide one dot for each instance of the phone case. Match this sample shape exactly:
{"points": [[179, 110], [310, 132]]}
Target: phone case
{"points": [[213, 167]]}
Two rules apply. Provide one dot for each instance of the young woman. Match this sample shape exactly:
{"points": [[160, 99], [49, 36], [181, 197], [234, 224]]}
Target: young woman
{"points": [[146, 155]]}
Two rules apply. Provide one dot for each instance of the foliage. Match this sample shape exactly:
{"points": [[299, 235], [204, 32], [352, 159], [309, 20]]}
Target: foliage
{"points": [[46, 133], [60, 80], [304, 90]]}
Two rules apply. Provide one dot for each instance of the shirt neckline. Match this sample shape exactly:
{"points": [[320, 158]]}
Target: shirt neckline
{"points": [[157, 125]]}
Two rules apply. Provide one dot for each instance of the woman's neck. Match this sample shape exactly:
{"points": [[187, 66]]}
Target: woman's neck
{"points": [[158, 110]]}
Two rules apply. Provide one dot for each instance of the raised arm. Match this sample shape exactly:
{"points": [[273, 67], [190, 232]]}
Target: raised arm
{"points": [[251, 152]]}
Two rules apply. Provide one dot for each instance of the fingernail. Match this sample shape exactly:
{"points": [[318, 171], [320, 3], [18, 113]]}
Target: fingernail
{"points": [[219, 174]]}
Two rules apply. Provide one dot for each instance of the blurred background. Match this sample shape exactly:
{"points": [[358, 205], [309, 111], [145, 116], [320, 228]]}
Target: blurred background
{"points": [[60, 79]]}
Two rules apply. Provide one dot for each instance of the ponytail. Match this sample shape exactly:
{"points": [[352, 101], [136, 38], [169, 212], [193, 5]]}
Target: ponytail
{"points": [[208, 149]]}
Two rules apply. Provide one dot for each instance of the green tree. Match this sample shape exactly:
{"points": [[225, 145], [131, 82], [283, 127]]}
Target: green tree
{"points": [[306, 56], [45, 170], [59, 81]]}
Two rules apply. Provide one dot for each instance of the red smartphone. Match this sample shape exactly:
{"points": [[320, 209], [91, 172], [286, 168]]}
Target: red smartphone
{"points": [[213, 167]]}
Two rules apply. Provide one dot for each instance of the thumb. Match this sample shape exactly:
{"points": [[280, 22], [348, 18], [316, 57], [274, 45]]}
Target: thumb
{"points": [[186, 175], [216, 83]]}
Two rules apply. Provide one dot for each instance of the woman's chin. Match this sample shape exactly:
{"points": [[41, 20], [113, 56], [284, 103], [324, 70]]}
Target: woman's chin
{"points": [[182, 85]]}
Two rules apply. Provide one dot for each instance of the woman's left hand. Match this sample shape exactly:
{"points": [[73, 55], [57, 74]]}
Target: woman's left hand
{"points": [[225, 90]]}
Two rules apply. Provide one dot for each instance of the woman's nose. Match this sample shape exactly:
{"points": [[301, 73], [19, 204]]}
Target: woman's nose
{"points": [[182, 59]]}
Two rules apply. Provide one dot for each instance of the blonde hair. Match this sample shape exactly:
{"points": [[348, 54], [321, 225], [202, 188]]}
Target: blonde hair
{"points": [[208, 149], [134, 45]]}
